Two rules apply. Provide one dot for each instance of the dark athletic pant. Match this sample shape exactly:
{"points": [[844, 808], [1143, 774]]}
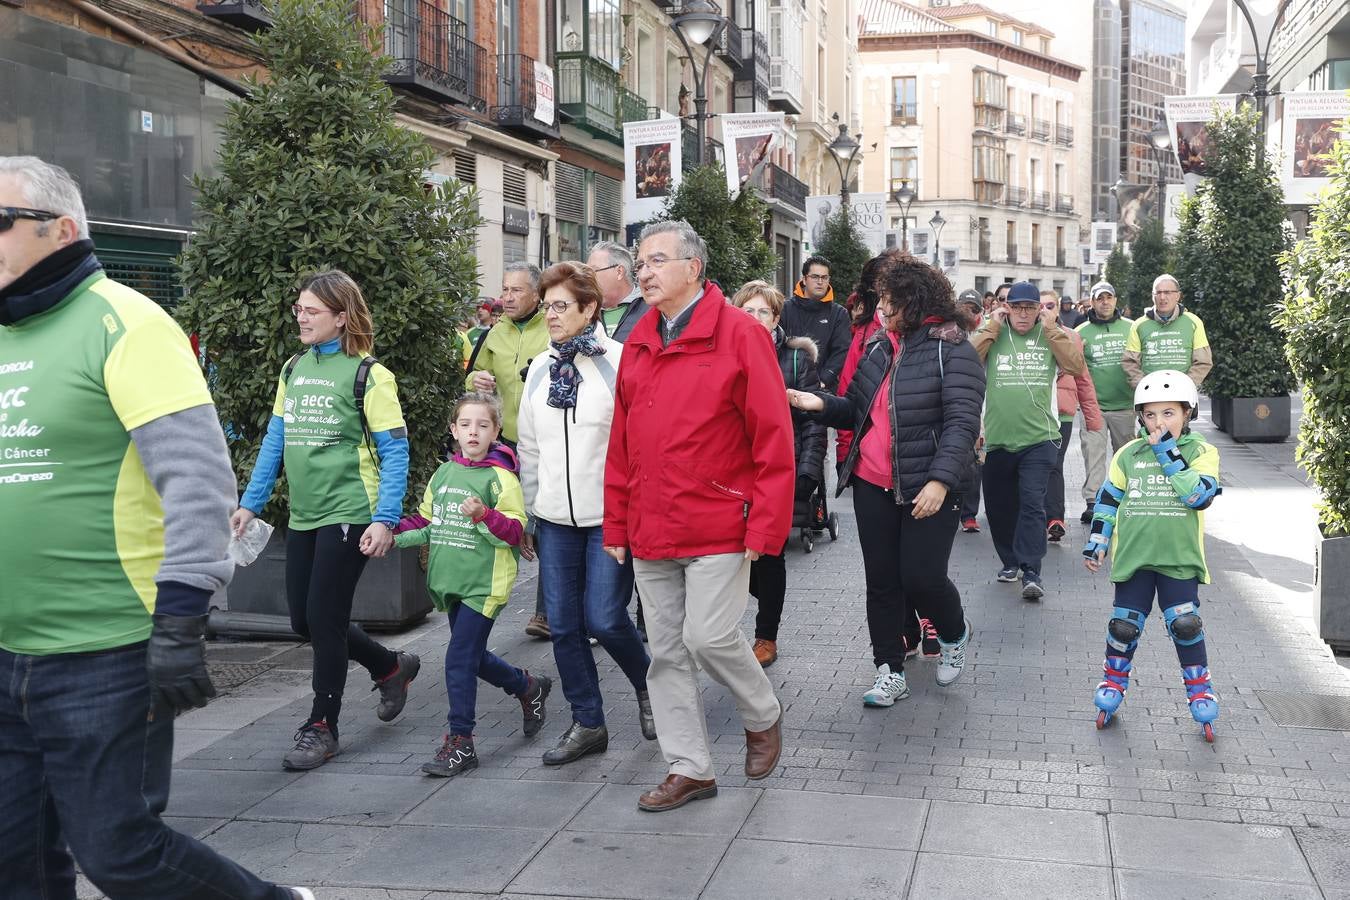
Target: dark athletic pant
{"points": [[1054, 491], [322, 569], [768, 585], [1137, 594], [1014, 503]]}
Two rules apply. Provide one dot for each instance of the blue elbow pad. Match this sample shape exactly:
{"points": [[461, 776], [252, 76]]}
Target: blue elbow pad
{"points": [[393, 450], [1204, 493], [1103, 519], [1169, 457]]}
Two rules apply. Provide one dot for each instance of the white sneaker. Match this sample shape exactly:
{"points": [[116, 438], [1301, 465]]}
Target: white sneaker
{"points": [[952, 658], [301, 893], [888, 688]]}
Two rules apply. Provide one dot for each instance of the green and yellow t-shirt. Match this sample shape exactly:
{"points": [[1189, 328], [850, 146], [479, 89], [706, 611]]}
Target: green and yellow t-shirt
{"points": [[1103, 349], [1020, 404], [1154, 529], [1169, 346], [331, 467], [83, 526]]}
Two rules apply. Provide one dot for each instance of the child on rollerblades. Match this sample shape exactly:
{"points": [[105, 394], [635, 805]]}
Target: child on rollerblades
{"points": [[1149, 513]]}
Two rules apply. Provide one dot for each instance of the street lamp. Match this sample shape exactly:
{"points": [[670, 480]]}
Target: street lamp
{"points": [[1162, 142], [936, 223], [1261, 77], [844, 148], [904, 196], [698, 25]]}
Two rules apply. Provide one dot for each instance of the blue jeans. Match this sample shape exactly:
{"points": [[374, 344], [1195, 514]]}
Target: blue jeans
{"points": [[80, 759], [468, 659], [586, 593], [1015, 483]]}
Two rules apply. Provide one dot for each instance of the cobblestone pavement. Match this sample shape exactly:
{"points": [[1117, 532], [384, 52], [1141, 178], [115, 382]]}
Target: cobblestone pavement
{"points": [[999, 786]]}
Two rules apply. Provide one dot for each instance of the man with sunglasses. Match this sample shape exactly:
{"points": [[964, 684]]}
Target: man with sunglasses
{"points": [[622, 306], [115, 495]]}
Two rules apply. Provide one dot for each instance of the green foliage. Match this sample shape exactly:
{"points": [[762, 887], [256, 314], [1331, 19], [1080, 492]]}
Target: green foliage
{"points": [[1231, 239], [1118, 272], [315, 173], [1150, 255], [732, 229], [844, 248], [1314, 317]]}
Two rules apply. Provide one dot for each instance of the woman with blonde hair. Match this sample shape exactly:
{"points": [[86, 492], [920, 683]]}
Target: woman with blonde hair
{"points": [[337, 425]]}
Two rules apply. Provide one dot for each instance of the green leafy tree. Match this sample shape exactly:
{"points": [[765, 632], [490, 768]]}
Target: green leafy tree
{"points": [[844, 248], [1314, 317], [1150, 255], [1232, 238], [1118, 272], [732, 228], [315, 173]]}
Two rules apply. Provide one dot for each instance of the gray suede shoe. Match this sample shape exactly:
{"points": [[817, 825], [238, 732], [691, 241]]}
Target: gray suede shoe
{"points": [[314, 746], [576, 743]]}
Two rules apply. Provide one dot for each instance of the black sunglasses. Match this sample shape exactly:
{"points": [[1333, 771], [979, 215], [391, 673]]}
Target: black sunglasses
{"points": [[11, 214]]}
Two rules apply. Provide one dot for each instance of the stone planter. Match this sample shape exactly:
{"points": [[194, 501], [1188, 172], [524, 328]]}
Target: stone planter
{"points": [[1331, 595], [1258, 419], [1219, 408], [392, 593]]}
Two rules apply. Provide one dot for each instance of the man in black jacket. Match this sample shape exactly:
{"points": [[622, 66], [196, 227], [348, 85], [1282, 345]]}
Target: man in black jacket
{"points": [[812, 313]]}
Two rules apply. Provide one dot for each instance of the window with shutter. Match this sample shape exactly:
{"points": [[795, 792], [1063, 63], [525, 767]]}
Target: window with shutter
{"points": [[608, 202], [513, 185], [466, 166]]}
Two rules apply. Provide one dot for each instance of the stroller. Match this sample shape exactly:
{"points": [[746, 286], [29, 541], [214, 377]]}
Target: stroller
{"points": [[812, 515]]}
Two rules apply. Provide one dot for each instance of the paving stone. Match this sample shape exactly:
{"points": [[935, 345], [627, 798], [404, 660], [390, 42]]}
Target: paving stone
{"points": [[292, 852], [614, 809], [795, 871], [1134, 884], [430, 857], [829, 819], [346, 799], [945, 875], [1328, 852], [1212, 848], [1056, 835], [222, 794], [627, 866], [193, 827], [487, 803]]}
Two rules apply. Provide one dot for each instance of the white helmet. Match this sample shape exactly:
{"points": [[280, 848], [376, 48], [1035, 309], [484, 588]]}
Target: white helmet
{"points": [[1164, 385]]}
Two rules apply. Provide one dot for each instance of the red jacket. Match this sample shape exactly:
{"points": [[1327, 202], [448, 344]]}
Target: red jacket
{"points": [[1077, 390], [843, 438], [701, 450]]}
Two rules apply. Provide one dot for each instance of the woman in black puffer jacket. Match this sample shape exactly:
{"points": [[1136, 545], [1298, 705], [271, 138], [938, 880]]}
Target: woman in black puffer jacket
{"points": [[914, 406], [797, 357]]}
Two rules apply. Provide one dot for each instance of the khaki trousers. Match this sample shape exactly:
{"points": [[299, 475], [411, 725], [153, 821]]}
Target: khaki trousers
{"points": [[1121, 425], [693, 608]]}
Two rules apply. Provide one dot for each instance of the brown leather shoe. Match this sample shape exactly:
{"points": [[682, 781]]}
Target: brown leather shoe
{"points": [[675, 792], [762, 749], [765, 652]]}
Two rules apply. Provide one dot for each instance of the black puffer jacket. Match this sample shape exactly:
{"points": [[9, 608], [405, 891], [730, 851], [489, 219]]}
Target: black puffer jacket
{"points": [[937, 394], [798, 357]]}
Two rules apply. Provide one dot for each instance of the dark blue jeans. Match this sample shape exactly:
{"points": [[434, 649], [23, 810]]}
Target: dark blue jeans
{"points": [[1138, 593], [586, 593], [81, 759], [468, 659], [1014, 502]]}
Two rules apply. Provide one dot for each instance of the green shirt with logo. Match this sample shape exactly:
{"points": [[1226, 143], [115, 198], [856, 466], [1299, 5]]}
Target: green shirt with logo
{"points": [[331, 467], [1154, 529], [1103, 348], [1167, 346], [1020, 406], [83, 526]]}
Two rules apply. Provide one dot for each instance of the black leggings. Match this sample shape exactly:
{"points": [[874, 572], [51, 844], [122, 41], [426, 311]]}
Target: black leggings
{"points": [[905, 564], [768, 585], [322, 569]]}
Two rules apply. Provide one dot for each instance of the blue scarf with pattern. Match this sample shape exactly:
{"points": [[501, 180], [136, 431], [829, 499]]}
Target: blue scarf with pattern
{"points": [[564, 378]]}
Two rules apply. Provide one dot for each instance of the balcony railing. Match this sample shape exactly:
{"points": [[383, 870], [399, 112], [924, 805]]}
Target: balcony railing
{"points": [[1015, 123], [632, 107], [731, 45], [1040, 200], [1064, 135], [1035, 256], [1014, 196], [588, 94], [517, 100], [784, 186], [249, 15], [1064, 203], [1061, 257], [1040, 129], [983, 250], [1012, 253], [689, 145], [422, 40], [752, 80], [472, 64], [904, 113]]}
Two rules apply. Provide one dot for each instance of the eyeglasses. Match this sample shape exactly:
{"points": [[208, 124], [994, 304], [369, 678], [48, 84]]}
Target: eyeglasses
{"points": [[302, 312], [817, 277], [1167, 293], [1024, 307], [560, 306], [655, 264], [606, 268], [761, 313], [11, 214]]}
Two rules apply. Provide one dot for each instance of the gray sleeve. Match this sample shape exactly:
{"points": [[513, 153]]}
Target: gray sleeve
{"points": [[185, 458]]}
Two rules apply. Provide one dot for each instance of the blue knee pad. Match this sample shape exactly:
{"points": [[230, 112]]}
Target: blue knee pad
{"points": [[1125, 628], [1184, 624]]}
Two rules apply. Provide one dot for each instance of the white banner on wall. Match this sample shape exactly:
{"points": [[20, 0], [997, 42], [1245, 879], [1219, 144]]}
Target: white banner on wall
{"points": [[543, 93], [1313, 122], [652, 159], [1103, 241], [1187, 123], [868, 212], [747, 140]]}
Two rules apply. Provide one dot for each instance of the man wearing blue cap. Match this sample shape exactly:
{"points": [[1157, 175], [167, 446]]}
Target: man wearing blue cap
{"points": [[1021, 345]]}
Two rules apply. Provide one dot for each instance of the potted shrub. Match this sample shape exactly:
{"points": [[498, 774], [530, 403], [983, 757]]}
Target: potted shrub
{"points": [[1231, 240], [314, 172], [1315, 320]]}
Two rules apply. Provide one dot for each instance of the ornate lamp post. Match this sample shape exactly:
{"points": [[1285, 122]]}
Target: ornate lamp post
{"points": [[1162, 142], [1261, 77], [936, 223], [903, 195], [844, 148], [698, 25]]}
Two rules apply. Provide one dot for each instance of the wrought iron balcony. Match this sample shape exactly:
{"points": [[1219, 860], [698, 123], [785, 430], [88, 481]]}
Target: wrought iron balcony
{"points": [[689, 147], [431, 52], [588, 94], [1012, 253], [905, 113], [1040, 200], [785, 186], [632, 107], [1014, 196], [731, 45], [518, 99], [1015, 123], [1061, 257], [752, 79], [1064, 135], [248, 15], [1036, 256], [1040, 129], [473, 64], [1064, 203]]}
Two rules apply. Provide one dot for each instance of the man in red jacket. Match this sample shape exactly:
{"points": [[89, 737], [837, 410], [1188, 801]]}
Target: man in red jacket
{"points": [[698, 483]]}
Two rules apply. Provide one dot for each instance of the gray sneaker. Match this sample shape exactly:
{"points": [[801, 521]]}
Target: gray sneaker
{"points": [[394, 687], [314, 746], [576, 743], [537, 688]]}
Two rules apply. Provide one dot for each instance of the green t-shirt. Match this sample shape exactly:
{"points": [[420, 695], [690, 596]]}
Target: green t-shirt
{"points": [[332, 470], [467, 563], [1103, 348], [1020, 406], [1154, 529], [83, 527], [1167, 346], [612, 317]]}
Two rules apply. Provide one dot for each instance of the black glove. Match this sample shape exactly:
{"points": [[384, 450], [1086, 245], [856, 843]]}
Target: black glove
{"points": [[176, 662]]}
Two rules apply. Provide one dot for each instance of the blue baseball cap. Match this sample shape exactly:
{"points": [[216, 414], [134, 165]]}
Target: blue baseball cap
{"points": [[1024, 292]]}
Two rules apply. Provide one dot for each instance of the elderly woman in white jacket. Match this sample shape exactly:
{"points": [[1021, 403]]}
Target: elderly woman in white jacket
{"points": [[564, 424]]}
